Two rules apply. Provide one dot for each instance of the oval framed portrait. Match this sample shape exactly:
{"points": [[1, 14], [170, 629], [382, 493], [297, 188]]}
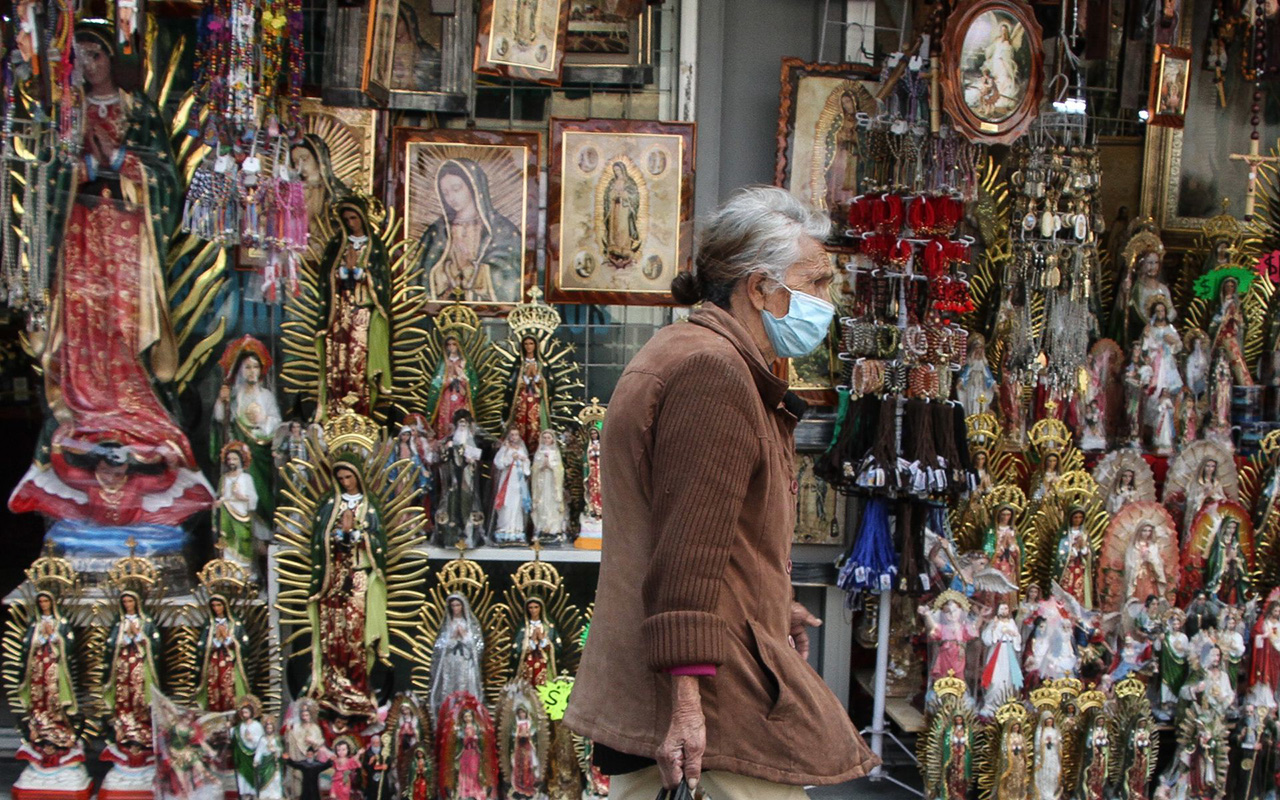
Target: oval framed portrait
{"points": [[992, 69]]}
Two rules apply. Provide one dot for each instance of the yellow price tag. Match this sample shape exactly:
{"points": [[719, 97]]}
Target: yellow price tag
{"points": [[555, 697]]}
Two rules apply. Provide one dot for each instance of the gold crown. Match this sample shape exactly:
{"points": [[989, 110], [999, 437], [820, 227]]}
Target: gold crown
{"points": [[1130, 687], [534, 575], [1270, 444], [133, 572], [222, 577], [1006, 494], [1077, 482], [349, 428], [950, 686], [982, 428], [1050, 435], [951, 596], [51, 574], [534, 318], [592, 414], [1223, 226], [1045, 698], [461, 572], [1142, 242], [457, 317], [1068, 687], [1092, 699], [1011, 711]]}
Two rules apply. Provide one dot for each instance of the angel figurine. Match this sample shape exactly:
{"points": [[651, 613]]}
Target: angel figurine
{"points": [[457, 655], [949, 628], [550, 512]]}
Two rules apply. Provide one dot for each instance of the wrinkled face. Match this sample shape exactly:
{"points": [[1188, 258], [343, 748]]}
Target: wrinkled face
{"points": [[353, 221], [251, 369], [94, 63], [348, 481], [456, 193]]}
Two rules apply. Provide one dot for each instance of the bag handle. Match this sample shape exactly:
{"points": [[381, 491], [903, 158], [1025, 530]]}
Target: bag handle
{"points": [[682, 792]]}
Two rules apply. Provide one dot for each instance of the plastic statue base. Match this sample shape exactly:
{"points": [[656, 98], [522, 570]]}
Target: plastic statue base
{"points": [[67, 782], [93, 549], [128, 783]]}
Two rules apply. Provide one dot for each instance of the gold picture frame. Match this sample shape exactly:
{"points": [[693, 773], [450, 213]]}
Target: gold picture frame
{"points": [[1170, 77]]}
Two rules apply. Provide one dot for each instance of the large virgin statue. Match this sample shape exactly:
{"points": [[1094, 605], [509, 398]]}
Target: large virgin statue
{"points": [[130, 672], [457, 654], [528, 396], [117, 457], [1228, 326], [347, 596], [470, 253], [355, 346], [46, 694], [1073, 565]]}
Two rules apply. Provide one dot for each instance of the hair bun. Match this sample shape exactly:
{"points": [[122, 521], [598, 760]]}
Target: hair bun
{"points": [[687, 288]]}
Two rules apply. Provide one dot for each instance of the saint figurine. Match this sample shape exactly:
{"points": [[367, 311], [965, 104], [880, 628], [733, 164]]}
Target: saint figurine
{"points": [[1207, 488], [1218, 428], [1095, 763], [406, 449], [511, 500], [1012, 781], [355, 346], [1138, 293], [246, 411], [346, 597], [1048, 759], [235, 510], [220, 650], [528, 395], [458, 654], [458, 517], [537, 645], [1175, 649], [1144, 572], [1002, 667], [130, 672], [526, 768], [1264, 666], [470, 253], [1004, 548], [453, 387], [115, 456], [467, 762], [46, 694], [346, 770], [246, 734], [550, 512], [950, 630], [957, 760], [1124, 492], [1046, 478], [302, 735], [268, 762], [620, 239], [1227, 330], [1073, 565]]}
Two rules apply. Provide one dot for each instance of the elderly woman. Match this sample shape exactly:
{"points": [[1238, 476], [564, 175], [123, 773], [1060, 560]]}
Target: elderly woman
{"points": [[691, 662]]}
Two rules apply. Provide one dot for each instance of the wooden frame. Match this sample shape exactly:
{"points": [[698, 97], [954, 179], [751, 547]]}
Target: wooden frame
{"points": [[1170, 79], [811, 112], [589, 58], [499, 51], [437, 81], [980, 107], [650, 169], [379, 49], [506, 201]]}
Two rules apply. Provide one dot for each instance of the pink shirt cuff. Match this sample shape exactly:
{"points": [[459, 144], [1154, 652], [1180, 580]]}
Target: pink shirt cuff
{"points": [[697, 670]]}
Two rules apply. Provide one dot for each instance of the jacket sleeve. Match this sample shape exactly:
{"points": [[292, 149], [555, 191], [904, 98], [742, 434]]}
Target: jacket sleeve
{"points": [[705, 450]]}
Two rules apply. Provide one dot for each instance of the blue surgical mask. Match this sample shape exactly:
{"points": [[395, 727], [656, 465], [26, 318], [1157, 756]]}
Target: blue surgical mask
{"points": [[802, 329]]}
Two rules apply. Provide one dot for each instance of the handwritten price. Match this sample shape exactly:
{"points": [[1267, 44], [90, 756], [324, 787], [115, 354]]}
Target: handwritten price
{"points": [[555, 697], [1269, 265]]}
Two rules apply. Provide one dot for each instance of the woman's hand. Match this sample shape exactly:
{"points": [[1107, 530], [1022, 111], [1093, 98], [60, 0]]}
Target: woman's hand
{"points": [[801, 620], [680, 754]]}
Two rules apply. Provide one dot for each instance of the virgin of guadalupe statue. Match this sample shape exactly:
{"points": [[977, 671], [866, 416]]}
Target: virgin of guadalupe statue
{"points": [[220, 650], [457, 655], [1048, 758], [550, 513], [1227, 569], [1095, 763], [620, 237], [1012, 777], [1004, 548], [236, 520], [1206, 488], [528, 395], [1228, 327], [592, 517], [459, 518], [108, 336], [347, 596], [321, 188], [46, 694], [471, 253], [355, 348], [246, 411], [1264, 666], [957, 759], [467, 757], [1144, 572], [511, 500], [452, 389], [130, 672], [537, 645], [1073, 564]]}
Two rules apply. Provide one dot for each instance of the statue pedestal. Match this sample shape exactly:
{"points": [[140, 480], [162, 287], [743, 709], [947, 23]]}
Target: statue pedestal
{"points": [[128, 783], [67, 782]]}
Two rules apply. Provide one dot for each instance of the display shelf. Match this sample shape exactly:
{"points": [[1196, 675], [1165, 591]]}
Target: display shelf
{"points": [[899, 709], [562, 555]]}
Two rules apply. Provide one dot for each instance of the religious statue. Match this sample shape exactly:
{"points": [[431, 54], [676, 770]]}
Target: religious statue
{"points": [[1140, 287], [1196, 367], [1231, 638], [321, 189], [511, 500], [528, 395], [1073, 564], [550, 511], [290, 443], [1093, 437], [346, 769], [1161, 345], [1012, 762], [620, 238], [1050, 653], [1012, 418], [185, 762], [1266, 509], [1002, 670], [407, 731], [1218, 428], [457, 655], [1208, 685], [1134, 392], [1046, 477], [471, 253], [302, 736], [1264, 665], [452, 389], [458, 517], [46, 694], [130, 672], [246, 411], [467, 761], [592, 517], [1207, 487], [246, 735], [1003, 547], [1123, 491], [236, 506], [1228, 326], [268, 762], [949, 630], [1200, 762], [410, 447], [1227, 569], [220, 652], [346, 595], [420, 786], [376, 780], [1144, 563], [355, 345], [1047, 779], [524, 742], [975, 385], [1175, 649], [115, 457], [538, 645]]}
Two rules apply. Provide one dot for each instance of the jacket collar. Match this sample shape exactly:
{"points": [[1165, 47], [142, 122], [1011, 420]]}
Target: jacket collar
{"points": [[772, 388]]}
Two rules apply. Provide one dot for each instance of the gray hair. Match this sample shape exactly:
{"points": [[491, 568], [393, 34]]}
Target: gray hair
{"points": [[759, 230]]}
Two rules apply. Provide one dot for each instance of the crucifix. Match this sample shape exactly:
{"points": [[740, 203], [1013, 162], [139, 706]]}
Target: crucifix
{"points": [[1253, 159]]}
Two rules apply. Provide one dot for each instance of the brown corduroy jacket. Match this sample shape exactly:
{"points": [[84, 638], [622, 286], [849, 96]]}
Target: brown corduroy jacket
{"points": [[699, 507]]}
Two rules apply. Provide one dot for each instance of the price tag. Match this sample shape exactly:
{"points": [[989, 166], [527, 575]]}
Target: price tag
{"points": [[223, 163], [1269, 265], [555, 697]]}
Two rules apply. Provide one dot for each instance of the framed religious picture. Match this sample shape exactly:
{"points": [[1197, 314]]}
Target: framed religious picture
{"points": [[609, 42], [522, 39], [1170, 76], [819, 139], [471, 210], [431, 58], [379, 49], [333, 157], [619, 210], [992, 71]]}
